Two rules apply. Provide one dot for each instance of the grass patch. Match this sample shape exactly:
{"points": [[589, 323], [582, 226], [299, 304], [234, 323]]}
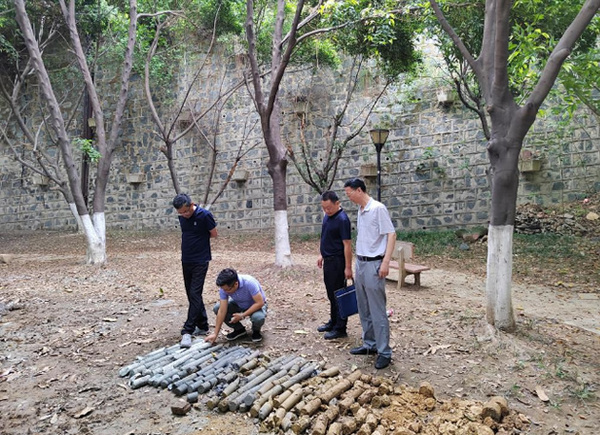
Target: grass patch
{"points": [[545, 258], [431, 242], [545, 246], [305, 237], [583, 393]]}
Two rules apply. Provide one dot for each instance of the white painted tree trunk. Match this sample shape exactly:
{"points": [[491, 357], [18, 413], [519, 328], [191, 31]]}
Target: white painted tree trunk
{"points": [[283, 252], [96, 244], [73, 208], [499, 310]]}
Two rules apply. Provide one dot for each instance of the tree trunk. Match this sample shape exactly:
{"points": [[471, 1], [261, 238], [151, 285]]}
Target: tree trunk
{"points": [[277, 167], [73, 208], [499, 310], [509, 127], [96, 246], [510, 123]]}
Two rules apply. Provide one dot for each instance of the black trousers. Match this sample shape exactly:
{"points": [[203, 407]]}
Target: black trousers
{"points": [[334, 278], [194, 275]]}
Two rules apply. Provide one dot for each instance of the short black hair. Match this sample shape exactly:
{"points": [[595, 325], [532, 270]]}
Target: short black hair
{"points": [[355, 183], [181, 200], [227, 277], [329, 195]]}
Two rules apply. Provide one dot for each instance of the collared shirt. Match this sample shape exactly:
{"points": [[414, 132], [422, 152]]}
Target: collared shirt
{"points": [[195, 236], [334, 230], [244, 295], [373, 226]]}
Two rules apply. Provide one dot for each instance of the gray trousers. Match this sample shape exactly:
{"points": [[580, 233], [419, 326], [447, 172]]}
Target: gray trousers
{"points": [[371, 299], [257, 318]]}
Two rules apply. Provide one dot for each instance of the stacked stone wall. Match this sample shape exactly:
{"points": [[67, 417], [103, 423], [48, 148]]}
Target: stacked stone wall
{"points": [[434, 163]]}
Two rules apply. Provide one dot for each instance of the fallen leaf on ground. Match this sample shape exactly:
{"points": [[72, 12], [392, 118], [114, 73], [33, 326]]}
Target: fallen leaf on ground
{"points": [[433, 349], [85, 411], [541, 394]]}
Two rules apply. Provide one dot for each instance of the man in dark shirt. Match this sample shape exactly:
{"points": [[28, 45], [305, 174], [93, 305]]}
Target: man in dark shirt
{"points": [[197, 228], [335, 259]]}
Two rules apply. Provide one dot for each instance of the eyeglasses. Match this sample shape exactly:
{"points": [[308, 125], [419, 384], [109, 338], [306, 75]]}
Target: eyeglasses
{"points": [[228, 288]]}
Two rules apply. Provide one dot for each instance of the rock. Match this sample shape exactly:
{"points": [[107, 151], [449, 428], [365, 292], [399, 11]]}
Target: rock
{"points": [[415, 426], [425, 389], [533, 219], [6, 258], [381, 401], [181, 408], [502, 402], [493, 410], [479, 429], [489, 422], [591, 216], [429, 404], [470, 238]]}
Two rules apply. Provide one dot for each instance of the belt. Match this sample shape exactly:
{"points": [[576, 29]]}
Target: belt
{"points": [[361, 258]]}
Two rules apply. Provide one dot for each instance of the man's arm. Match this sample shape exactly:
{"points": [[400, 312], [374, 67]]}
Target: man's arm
{"points": [[219, 322], [257, 305], [384, 269], [213, 233], [348, 258]]}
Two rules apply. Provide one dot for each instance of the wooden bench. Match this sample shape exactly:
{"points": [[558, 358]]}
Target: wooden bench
{"points": [[400, 264]]}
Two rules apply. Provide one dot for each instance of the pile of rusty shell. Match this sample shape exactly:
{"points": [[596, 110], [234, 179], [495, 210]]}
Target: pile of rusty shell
{"points": [[211, 368], [246, 395]]}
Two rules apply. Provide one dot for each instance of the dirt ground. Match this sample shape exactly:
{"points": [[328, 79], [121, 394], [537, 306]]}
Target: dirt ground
{"points": [[67, 328]]}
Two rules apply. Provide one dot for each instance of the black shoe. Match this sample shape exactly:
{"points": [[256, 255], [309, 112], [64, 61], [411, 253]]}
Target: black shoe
{"points": [[256, 336], [362, 350], [236, 333], [335, 334], [325, 328], [382, 362]]}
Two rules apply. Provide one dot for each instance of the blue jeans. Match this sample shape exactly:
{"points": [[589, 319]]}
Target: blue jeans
{"points": [[257, 318]]}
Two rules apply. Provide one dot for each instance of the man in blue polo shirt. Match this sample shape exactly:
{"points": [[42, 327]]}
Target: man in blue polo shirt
{"points": [[240, 296], [335, 260], [197, 228]]}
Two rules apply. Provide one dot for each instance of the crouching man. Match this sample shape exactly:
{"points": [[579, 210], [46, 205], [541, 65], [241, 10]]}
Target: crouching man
{"points": [[240, 296]]}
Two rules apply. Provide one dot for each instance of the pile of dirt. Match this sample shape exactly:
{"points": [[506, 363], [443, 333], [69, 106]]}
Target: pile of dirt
{"points": [[579, 218]]}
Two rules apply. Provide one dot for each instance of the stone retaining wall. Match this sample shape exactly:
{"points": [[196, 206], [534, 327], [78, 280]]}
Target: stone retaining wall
{"points": [[433, 164]]}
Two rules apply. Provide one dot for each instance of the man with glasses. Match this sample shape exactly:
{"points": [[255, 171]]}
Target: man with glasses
{"points": [[197, 228], [240, 297], [375, 241]]}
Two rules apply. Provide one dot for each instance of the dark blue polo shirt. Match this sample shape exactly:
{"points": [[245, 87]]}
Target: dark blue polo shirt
{"points": [[195, 236], [334, 231]]}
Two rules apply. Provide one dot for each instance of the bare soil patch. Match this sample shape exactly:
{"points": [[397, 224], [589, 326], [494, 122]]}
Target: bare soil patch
{"points": [[67, 328]]}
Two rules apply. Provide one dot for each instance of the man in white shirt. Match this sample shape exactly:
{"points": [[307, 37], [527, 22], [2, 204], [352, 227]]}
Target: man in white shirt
{"points": [[374, 246]]}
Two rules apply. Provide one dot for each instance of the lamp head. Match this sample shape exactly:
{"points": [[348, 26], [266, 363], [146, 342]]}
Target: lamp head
{"points": [[379, 136]]}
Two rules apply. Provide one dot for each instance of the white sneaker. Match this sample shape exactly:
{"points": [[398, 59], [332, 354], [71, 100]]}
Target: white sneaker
{"points": [[186, 341], [199, 331]]}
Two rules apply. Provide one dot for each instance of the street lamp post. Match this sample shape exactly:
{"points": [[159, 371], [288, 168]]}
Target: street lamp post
{"points": [[379, 136]]}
